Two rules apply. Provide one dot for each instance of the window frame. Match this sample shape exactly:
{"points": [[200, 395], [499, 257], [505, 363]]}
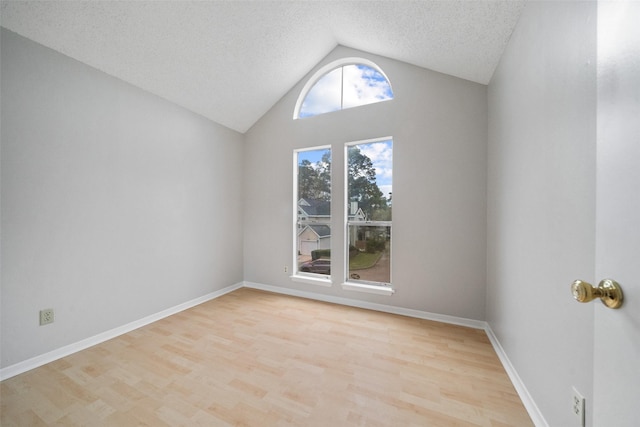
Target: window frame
{"points": [[301, 276], [381, 288], [326, 69]]}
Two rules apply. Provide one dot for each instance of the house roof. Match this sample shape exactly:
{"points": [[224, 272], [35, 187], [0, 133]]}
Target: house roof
{"points": [[313, 207], [231, 61], [320, 230]]}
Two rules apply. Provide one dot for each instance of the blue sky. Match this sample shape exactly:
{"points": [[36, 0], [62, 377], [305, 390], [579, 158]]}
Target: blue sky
{"points": [[346, 87], [313, 156], [380, 153], [351, 86], [364, 85]]}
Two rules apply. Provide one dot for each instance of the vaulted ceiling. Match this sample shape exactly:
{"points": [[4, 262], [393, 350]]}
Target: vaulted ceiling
{"points": [[231, 61]]}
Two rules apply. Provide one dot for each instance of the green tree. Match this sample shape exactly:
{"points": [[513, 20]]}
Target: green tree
{"points": [[362, 186], [314, 180]]}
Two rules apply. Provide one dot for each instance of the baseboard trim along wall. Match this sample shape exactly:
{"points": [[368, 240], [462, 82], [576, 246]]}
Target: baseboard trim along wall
{"points": [[476, 324], [527, 400], [43, 359], [51, 356], [521, 389]]}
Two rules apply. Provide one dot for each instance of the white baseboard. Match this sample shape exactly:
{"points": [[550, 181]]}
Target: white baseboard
{"points": [[527, 400], [61, 352], [461, 321]]}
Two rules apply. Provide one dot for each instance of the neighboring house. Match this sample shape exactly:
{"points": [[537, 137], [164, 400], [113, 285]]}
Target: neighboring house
{"points": [[318, 236], [314, 210], [313, 237], [320, 210]]}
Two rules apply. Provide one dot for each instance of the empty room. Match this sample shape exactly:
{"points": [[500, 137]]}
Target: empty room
{"points": [[320, 213]]}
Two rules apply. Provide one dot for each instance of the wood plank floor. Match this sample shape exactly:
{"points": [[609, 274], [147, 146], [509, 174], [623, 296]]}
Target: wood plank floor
{"points": [[252, 358]]}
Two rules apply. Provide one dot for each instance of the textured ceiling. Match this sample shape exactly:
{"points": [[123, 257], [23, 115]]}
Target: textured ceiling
{"points": [[231, 61]]}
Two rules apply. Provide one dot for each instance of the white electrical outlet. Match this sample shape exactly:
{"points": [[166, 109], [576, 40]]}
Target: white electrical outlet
{"points": [[577, 406], [46, 316], [286, 269]]}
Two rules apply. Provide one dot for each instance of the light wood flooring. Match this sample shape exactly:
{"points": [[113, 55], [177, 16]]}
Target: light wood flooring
{"points": [[252, 358]]}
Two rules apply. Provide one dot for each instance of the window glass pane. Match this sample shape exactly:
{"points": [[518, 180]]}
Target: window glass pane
{"points": [[324, 96], [345, 86], [369, 181], [314, 181], [364, 85], [369, 211], [369, 253], [313, 230], [314, 249]]}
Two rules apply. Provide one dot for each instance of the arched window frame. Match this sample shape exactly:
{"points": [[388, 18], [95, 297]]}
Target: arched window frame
{"points": [[327, 69]]}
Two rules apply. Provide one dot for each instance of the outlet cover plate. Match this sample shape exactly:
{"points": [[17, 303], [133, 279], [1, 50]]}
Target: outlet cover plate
{"points": [[577, 406], [46, 316]]}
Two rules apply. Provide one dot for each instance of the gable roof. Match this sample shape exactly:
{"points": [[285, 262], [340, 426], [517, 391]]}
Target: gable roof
{"points": [[321, 230], [231, 61], [313, 207]]}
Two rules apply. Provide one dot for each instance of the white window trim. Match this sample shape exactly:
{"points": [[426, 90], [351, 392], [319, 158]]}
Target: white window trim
{"points": [[320, 281], [330, 67], [373, 288], [302, 277]]}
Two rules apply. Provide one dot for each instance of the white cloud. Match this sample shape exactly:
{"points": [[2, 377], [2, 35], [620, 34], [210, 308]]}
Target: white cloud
{"points": [[345, 87], [363, 85], [381, 155], [386, 189], [324, 96]]}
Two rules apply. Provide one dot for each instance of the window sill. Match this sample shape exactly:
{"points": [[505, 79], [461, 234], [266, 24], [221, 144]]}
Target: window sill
{"points": [[371, 289], [320, 281]]}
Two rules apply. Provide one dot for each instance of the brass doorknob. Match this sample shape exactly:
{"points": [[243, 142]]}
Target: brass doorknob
{"points": [[608, 291]]}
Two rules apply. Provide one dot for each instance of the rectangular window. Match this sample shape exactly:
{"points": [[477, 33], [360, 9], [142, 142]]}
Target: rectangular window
{"points": [[312, 200], [369, 171]]}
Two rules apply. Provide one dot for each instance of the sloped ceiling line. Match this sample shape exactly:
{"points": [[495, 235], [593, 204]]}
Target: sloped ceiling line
{"points": [[231, 61]]}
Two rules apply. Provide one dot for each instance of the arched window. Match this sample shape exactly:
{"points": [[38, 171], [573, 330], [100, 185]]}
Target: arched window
{"points": [[346, 83]]}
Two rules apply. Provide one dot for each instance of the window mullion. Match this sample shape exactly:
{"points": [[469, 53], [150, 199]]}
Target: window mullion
{"points": [[342, 88]]}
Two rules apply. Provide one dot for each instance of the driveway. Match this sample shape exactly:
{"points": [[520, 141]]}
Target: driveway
{"points": [[380, 272]]}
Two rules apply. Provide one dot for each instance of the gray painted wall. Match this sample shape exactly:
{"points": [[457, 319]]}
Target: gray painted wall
{"points": [[115, 203], [541, 201], [439, 128]]}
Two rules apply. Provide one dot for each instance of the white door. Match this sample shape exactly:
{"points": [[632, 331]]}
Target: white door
{"points": [[617, 332]]}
